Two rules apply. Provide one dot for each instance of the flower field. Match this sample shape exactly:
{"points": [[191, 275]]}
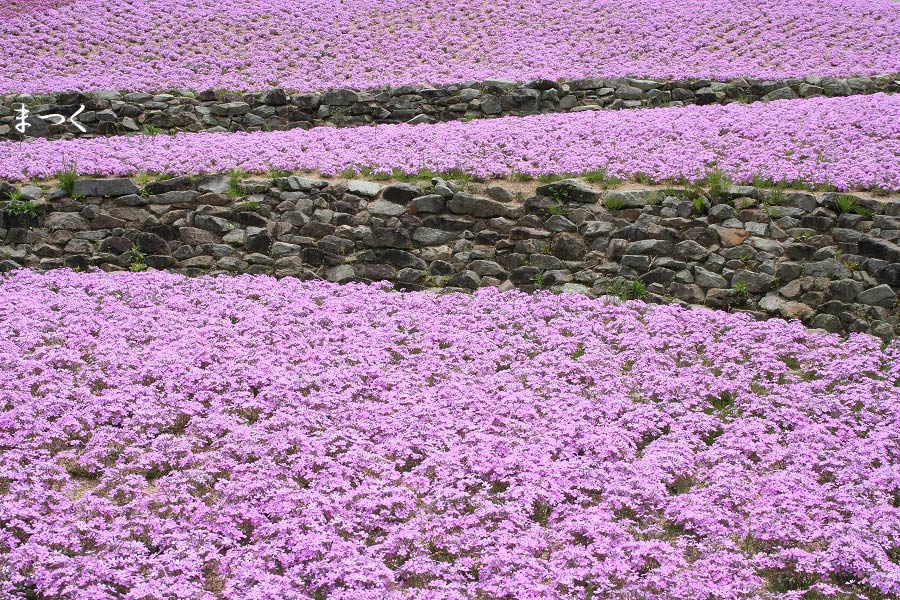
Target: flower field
{"points": [[843, 142], [166, 437], [250, 45], [217, 433], [12, 9]]}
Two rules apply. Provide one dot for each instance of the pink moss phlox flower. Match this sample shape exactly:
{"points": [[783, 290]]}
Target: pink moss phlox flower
{"points": [[166, 437], [847, 143], [312, 45]]}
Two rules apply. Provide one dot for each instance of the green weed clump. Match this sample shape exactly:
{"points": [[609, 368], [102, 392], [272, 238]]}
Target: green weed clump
{"points": [[719, 185], [67, 178]]}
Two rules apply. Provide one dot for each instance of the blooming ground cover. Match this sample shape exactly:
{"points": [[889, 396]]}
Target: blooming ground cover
{"points": [[11, 9], [847, 143], [167, 437], [316, 44]]}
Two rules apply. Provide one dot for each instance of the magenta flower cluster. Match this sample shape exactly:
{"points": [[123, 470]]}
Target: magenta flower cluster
{"points": [[317, 44], [13, 9], [848, 143], [249, 438]]}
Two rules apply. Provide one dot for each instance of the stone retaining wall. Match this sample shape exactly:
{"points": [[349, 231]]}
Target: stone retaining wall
{"points": [[831, 260], [114, 113]]}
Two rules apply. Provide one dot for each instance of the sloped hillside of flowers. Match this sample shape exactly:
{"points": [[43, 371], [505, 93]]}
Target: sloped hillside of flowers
{"points": [[12, 9], [165, 437], [318, 44], [842, 142]]}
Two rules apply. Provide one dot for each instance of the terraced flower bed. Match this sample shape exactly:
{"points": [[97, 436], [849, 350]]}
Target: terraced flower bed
{"points": [[178, 424], [89, 45], [251, 438], [843, 143], [12, 9]]}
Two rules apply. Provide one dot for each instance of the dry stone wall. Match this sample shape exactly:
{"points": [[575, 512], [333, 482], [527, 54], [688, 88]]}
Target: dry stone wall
{"points": [[830, 259], [114, 113]]}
